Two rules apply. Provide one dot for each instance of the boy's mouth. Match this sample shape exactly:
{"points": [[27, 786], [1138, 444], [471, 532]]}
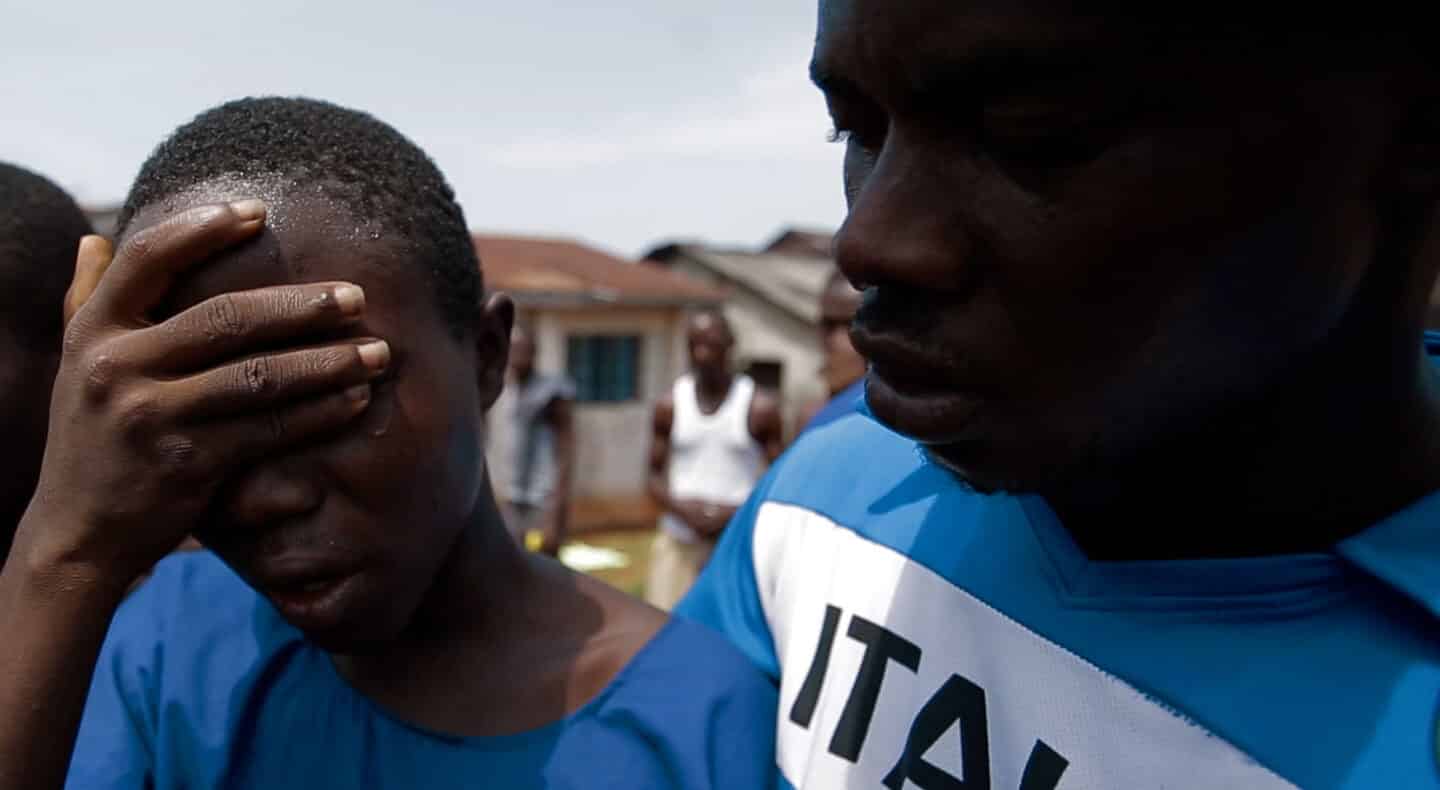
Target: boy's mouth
{"points": [[314, 603]]}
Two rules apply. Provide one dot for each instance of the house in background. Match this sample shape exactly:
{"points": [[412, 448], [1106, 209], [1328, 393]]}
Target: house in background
{"points": [[103, 217], [773, 305], [617, 329]]}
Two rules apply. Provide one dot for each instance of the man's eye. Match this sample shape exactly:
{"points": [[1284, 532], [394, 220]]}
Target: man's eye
{"points": [[1051, 137], [870, 137], [848, 136], [1062, 149]]}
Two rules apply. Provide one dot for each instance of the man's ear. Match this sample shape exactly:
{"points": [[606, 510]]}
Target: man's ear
{"points": [[1415, 149], [493, 323]]}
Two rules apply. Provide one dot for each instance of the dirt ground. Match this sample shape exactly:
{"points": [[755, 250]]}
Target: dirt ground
{"points": [[635, 545]]}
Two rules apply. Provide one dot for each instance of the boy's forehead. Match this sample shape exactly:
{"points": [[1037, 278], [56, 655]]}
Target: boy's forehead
{"points": [[308, 237], [290, 203]]}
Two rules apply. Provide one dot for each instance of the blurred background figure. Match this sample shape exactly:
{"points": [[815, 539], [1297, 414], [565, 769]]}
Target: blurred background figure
{"points": [[40, 231], [542, 458], [714, 435], [843, 368]]}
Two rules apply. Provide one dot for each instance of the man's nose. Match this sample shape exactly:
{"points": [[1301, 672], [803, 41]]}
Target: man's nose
{"points": [[908, 223], [269, 494]]}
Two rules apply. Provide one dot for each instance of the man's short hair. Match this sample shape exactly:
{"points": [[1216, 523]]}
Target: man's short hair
{"points": [[359, 162], [713, 313], [40, 231]]}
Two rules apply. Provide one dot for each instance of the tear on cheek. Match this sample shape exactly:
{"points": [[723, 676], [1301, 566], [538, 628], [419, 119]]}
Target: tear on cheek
{"points": [[376, 422]]}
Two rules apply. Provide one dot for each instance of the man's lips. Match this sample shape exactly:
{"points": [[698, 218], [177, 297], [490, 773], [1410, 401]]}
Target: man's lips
{"points": [[908, 366], [914, 384]]}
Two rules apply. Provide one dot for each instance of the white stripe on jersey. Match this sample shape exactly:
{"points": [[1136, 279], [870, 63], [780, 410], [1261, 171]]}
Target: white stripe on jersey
{"points": [[950, 678]]}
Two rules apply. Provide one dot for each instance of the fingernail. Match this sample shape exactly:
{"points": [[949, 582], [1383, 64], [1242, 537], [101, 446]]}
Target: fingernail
{"points": [[89, 244], [249, 210], [375, 354], [357, 394], [350, 299]]}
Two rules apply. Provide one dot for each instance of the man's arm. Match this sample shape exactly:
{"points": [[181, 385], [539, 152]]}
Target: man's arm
{"points": [[55, 621], [560, 415], [689, 511], [658, 481]]}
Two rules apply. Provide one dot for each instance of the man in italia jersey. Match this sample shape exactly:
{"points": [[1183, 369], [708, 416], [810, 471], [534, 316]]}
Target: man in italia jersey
{"points": [[1148, 494]]}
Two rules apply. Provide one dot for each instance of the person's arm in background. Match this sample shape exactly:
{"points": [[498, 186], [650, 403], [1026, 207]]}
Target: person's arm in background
{"points": [[560, 416], [688, 511], [658, 467]]}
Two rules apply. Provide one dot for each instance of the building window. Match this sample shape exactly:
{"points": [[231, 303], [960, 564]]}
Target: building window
{"points": [[769, 374], [605, 368]]}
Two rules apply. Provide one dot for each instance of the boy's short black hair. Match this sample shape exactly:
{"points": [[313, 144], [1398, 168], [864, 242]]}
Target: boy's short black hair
{"points": [[40, 230], [360, 162]]}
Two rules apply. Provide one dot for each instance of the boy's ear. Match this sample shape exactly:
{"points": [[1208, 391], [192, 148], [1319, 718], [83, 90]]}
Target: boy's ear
{"points": [[493, 323]]}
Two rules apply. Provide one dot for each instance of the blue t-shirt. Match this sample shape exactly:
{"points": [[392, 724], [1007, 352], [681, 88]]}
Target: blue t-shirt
{"points": [[202, 685], [925, 636], [844, 404]]}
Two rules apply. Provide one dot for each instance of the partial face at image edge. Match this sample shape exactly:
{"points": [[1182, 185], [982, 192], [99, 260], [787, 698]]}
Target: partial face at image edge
{"points": [[1073, 241]]}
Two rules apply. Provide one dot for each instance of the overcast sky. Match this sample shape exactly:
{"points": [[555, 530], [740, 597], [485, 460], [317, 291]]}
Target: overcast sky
{"points": [[621, 123]]}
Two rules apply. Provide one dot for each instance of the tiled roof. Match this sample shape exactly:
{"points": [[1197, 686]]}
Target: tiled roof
{"points": [[540, 270]]}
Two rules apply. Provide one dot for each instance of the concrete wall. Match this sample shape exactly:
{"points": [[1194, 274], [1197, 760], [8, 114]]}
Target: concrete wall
{"points": [[613, 439]]}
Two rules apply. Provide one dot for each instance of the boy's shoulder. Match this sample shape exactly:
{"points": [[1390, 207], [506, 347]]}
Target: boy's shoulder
{"points": [[686, 654], [195, 606], [688, 708], [643, 656]]}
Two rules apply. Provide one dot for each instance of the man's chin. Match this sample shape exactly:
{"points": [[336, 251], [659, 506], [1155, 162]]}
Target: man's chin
{"points": [[956, 435], [931, 418], [974, 473]]}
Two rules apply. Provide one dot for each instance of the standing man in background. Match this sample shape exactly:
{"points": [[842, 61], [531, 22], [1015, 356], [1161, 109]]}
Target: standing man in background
{"points": [[40, 229], [714, 435], [844, 368], [543, 450]]}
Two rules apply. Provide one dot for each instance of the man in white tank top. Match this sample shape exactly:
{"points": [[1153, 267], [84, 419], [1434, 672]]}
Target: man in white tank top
{"points": [[713, 437]]}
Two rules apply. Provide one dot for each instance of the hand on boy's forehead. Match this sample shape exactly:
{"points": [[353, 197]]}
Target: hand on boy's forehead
{"points": [[305, 240]]}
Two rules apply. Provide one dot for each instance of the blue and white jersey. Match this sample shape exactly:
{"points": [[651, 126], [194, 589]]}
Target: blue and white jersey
{"points": [[923, 636]]}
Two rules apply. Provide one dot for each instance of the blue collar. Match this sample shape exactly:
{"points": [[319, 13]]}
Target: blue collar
{"points": [[1403, 551]]}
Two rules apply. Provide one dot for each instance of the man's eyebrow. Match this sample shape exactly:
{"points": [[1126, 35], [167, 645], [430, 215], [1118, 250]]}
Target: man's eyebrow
{"points": [[1006, 70], [989, 69]]}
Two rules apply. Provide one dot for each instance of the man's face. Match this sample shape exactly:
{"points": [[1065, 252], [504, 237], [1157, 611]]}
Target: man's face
{"points": [[843, 364], [27, 372], [346, 536], [710, 343], [1080, 241]]}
